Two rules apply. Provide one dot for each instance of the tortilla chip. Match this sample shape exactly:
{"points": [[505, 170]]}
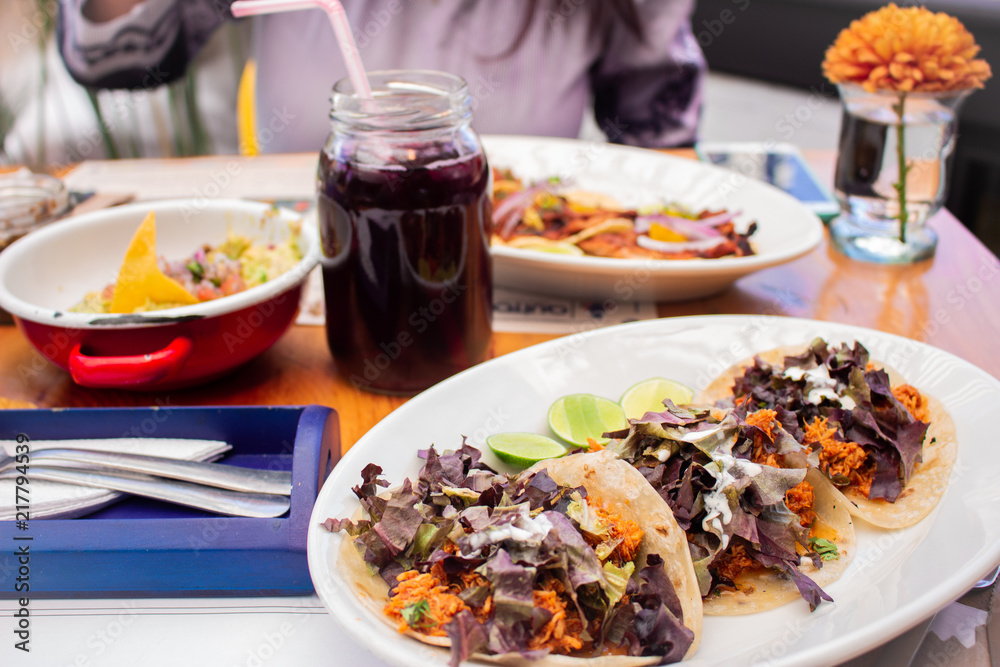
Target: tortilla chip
{"points": [[140, 280], [624, 491], [929, 480], [767, 589]]}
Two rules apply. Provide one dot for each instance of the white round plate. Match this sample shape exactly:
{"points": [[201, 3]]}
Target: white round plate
{"points": [[637, 178], [897, 578]]}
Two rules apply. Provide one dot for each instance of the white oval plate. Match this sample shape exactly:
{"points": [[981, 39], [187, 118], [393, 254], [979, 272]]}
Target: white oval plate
{"points": [[639, 177], [896, 579]]}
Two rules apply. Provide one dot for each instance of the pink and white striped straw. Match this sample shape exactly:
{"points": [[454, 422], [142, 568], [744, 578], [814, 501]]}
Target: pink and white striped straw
{"points": [[341, 28]]}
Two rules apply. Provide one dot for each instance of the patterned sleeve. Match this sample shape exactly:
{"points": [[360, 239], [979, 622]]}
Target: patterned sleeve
{"points": [[649, 93], [151, 45]]}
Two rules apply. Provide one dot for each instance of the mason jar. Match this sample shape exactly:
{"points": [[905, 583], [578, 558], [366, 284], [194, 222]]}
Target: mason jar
{"points": [[404, 206]]}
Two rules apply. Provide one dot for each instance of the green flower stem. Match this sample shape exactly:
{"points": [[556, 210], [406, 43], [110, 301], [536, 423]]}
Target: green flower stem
{"points": [[903, 166]]}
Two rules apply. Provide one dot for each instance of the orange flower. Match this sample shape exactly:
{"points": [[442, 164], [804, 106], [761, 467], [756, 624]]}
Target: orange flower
{"points": [[908, 49]]}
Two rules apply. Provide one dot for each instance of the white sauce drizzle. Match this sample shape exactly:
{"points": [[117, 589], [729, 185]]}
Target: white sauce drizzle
{"points": [[718, 512], [819, 385]]}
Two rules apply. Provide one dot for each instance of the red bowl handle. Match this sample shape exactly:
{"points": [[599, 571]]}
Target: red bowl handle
{"points": [[139, 369]]}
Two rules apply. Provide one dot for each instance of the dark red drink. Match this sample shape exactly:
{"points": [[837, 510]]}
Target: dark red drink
{"points": [[406, 266]]}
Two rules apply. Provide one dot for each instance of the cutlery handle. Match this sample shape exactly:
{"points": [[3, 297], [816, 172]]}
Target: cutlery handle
{"points": [[221, 501], [213, 474]]}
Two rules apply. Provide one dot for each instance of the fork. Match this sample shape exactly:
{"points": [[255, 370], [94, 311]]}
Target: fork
{"points": [[212, 474]]}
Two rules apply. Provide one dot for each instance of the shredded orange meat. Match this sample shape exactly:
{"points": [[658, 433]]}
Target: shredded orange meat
{"points": [[846, 459], [562, 632], [414, 588], [618, 527], [764, 420], [593, 445], [800, 499], [467, 580], [913, 401], [733, 562]]}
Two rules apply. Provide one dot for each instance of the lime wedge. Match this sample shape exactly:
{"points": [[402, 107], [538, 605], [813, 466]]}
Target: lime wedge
{"points": [[576, 417], [648, 396], [524, 449]]}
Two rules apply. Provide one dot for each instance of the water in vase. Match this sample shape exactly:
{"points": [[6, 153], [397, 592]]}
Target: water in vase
{"points": [[868, 164]]}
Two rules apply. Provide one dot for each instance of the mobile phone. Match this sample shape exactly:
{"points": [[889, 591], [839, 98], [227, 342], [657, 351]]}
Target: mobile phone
{"points": [[780, 164]]}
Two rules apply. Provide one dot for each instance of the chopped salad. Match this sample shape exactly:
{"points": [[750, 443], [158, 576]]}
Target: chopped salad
{"points": [[545, 216], [210, 273]]}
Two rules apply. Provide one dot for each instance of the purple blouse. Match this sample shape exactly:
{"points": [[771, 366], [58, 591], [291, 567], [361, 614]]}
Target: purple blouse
{"points": [[644, 93]]}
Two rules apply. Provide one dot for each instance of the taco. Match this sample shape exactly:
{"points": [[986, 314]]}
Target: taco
{"points": [[760, 536], [887, 447], [574, 559]]}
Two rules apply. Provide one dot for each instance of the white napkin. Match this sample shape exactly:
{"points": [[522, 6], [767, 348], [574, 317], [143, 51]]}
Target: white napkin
{"points": [[56, 500]]}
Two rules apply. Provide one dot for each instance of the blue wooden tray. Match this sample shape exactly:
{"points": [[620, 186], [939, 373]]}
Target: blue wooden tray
{"points": [[146, 548]]}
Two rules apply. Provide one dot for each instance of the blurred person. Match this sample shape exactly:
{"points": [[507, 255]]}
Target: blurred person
{"points": [[532, 67]]}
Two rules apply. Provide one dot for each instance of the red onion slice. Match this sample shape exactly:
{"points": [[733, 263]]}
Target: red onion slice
{"points": [[691, 229], [719, 218], [679, 246], [510, 209]]}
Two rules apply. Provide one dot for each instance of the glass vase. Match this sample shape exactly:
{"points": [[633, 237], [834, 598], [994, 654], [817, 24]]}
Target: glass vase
{"points": [[892, 171]]}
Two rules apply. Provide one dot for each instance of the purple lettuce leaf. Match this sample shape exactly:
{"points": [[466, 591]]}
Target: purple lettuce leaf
{"points": [[778, 536], [674, 415], [474, 518], [768, 487], [910, 441], [659, 623], [808, 589], [453, 563], [467, 636], [655, 585], [842, 361], [370, 481], [814, 355], [439, 471], [350, 527], [513, 587], [619, 623], [582, 565], [400, 521], [790, 422], [662, 634], [885, 480], [538, 490], [367, 491]]}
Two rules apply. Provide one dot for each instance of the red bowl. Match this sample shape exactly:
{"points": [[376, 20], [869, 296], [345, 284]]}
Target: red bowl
{"points": [[49, 270]]}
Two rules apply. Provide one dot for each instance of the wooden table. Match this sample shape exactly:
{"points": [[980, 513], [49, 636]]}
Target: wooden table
{"points": [[951, 301]]}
